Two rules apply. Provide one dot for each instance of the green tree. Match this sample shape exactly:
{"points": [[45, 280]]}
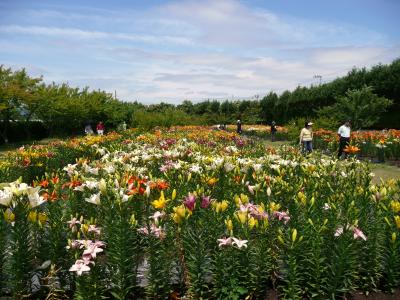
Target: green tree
{"points": [[18, 100], [362, 106]]}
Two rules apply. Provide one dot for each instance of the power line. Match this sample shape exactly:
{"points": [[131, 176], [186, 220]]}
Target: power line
{"points": [[318, 77]]}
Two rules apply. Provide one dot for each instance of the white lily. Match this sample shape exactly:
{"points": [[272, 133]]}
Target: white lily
{"points": [[34, 198], [95, 199], [239, 243], [5, 197]]}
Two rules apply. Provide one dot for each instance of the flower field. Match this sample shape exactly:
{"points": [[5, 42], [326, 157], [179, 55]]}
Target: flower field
{"points": [[193, 213], [374, 144], [261, 131]]}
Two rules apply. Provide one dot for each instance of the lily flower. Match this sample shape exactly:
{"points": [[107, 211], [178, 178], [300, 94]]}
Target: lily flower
{"points": [[143, 230], [190, 201], [281, 215], [239, 243], [95, 199], [224, 242], [326, 206], [91, 185], [94, 171], [205, 201], [397, 220], [157, 231], [93, 228], [70, 169], [160, 203], [357, 233], [5, 197], [92, 250], [72, 223], [339, 231], [157, 215], [34, 198], [79, 267], [74, 244]]}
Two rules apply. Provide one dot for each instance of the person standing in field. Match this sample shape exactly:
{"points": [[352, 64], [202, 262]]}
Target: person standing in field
{"points": [[273, 131], [239, 126], [306, 137], [100, 128], [344, 137], [88, 129]]}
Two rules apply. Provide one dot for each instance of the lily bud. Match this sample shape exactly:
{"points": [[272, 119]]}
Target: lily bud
{"points": [[294, 235], [229, 225], [102, 185]]}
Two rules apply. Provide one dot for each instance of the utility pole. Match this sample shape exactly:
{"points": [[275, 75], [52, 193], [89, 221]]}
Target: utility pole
{"points": [[115, 94], [318, 77]]}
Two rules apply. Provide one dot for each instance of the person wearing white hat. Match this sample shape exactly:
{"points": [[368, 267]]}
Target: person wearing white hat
{"points": [[306, 137]]}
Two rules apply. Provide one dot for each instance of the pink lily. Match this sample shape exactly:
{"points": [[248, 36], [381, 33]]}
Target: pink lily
{"points": [[157, 215], [250, 188], [358, 234], [79, 267], [73, 222], [74, 244], [282, 216], [143, 230], [190, 201], [205, 201], [92, 250], [224, 242], [259, 215], [93, 228], [243, 208], [157, 231]]}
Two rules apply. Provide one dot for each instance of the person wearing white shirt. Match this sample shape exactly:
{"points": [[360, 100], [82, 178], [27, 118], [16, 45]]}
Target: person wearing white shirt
{"points": [[344, 137]]}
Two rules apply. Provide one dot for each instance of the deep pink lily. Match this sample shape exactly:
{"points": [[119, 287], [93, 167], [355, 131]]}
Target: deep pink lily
{"points": [[205, 201], [190, 201]]}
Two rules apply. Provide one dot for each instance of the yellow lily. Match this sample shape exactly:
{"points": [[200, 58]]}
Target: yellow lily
{"points": [[160, 203], [397, 220]]}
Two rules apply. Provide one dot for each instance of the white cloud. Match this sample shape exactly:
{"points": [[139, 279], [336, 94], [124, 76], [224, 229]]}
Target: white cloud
{"points": [[75, 33], [192, 49]]}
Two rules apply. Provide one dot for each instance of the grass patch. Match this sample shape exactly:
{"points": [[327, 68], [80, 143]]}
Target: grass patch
{"points": [[13, 146], [384, 172]]}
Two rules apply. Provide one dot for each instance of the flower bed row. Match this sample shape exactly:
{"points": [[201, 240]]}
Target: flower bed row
{"points": [[29, 162], [200, 214], [374, 144], [262, 131]]}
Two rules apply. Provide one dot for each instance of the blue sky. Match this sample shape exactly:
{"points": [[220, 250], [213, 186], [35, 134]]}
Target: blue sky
{"points": [[154, 50]]}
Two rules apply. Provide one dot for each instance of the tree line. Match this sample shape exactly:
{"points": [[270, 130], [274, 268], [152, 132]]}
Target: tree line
{"points": [[27, 104]]}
